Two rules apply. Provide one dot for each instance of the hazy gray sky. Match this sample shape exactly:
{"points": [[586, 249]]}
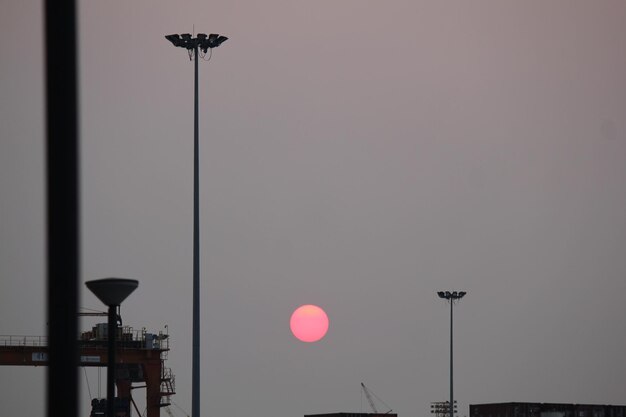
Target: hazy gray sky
{"points": [[358, 155]]}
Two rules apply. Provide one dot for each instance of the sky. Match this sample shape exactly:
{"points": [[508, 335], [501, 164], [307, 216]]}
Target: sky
{"points": [[358, 155]]}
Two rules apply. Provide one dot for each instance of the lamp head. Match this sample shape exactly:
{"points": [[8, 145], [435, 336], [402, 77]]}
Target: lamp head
{"points": [[112, 291], [454, 295], [175, 39], [220, 40], [201, 40]]}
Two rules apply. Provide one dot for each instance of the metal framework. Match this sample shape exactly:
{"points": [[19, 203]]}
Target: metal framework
{"points": [[139, 358]]}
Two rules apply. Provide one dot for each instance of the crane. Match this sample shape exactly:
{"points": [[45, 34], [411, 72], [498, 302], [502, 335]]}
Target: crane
{"points": [[94, 313], [369, 395]]}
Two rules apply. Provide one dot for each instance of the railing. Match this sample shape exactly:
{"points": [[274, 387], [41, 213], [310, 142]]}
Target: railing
{"points": [[158, 340], [168, 386], [126, 338], [16, 340]]}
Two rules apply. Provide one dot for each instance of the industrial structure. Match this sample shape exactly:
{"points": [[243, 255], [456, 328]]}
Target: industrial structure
{"points": [[140, 359], [546, 410]]}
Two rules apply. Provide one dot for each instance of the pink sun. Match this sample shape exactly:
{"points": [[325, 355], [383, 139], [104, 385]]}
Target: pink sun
{"points": [[309, 323]]}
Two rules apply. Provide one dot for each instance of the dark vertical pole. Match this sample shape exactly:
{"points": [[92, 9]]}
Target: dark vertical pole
{"points": [[195, 394], [62, 206], [112, 327], [451, 361]]}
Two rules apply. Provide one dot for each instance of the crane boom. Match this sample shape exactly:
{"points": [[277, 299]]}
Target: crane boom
{"points": [[368, 395], [99, 313]]}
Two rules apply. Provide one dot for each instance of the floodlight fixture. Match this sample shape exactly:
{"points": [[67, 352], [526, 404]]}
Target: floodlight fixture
{"points": [[201, 41], [451, 296], [175, 39]]}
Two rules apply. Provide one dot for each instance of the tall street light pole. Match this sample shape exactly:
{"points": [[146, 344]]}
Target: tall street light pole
{"points": [[193, 45], [451, 297]]}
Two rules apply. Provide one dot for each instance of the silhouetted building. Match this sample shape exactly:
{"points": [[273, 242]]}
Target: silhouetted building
{"points": [[358, 415], [546, 410]]}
